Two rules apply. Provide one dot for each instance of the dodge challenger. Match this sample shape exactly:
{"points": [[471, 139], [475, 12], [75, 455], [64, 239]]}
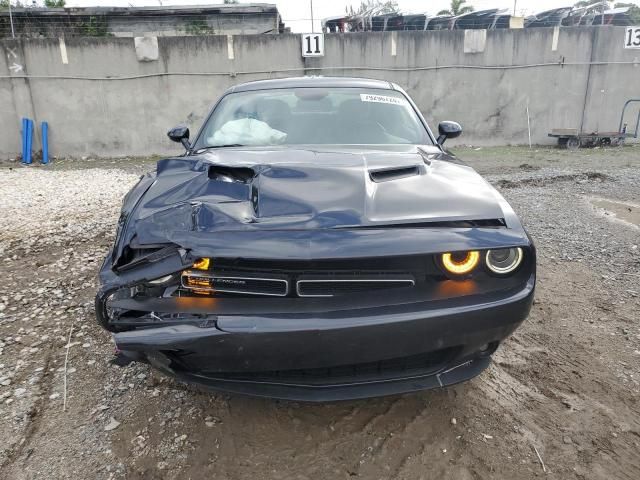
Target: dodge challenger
{"points": [[315, 242]]}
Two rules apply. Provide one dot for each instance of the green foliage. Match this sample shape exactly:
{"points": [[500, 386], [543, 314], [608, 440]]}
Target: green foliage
{"points": [[381, 7], [198, 27], [458, 7], [94, 26], [585, 3], [634, 11], [4, 4]]}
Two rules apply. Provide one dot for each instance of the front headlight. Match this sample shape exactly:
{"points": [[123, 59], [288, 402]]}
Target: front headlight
{"points": [[504, 260], [202, 264], [460, 263]]}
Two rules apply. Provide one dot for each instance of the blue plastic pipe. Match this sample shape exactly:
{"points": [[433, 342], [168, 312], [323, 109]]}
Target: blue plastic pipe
{"points": [[26, 158], [30, 144], [45, 143], [24, 139]]}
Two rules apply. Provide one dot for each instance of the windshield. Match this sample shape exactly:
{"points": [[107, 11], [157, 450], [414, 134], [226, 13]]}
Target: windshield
{"points": [[300, 116]]}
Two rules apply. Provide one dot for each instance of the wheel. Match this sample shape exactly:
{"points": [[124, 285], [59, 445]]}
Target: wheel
{"points": [[562, 142], [573, 143]]}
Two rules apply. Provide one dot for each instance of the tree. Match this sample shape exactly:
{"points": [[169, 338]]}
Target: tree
{"points": [[5, 4], [230, 2], [586, 3], [381, 7], [457, 8], [18, 4], [634, 11]]}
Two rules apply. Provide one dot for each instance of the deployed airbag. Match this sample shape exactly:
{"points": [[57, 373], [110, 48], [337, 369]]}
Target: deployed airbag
{"points": [[247, 131]]}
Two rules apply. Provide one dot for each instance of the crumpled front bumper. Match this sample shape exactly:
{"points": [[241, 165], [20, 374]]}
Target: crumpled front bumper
{"points": [[332, 352]]}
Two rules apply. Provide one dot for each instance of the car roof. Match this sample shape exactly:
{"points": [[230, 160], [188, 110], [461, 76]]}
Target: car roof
{"points": [[323, 82]]}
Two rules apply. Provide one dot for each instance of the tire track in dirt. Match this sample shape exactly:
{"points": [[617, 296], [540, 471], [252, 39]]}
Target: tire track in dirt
{"points": [[45, 384]]}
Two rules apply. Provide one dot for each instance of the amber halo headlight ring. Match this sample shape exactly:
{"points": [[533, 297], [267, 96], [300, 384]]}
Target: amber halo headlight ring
{"points": [[503, 261], [460, 264]]}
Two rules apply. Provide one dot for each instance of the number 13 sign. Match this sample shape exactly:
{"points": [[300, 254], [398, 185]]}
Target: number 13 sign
{"points": [[312, 45], [632, 37]]}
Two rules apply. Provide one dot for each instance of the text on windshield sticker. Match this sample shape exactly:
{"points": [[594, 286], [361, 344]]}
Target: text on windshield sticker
{"points": [[366, 97]]}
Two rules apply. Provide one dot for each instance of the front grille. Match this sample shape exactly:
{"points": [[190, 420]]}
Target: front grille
{"points": [[415, 365], [330, 287], [313, 278], [207, 282]]}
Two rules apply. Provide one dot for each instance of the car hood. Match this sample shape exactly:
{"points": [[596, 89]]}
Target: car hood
{"points": [[311, 188]]}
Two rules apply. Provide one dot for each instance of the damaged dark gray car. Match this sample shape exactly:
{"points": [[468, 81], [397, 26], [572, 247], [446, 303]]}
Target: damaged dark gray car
{"points": [[316, 242]]}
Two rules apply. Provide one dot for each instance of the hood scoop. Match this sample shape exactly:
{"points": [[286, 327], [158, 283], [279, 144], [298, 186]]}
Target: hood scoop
{"points": [[393, 173], [227, 174]]}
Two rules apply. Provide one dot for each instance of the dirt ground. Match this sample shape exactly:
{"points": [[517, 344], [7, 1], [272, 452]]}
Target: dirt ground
{"points": [[561, 399]]}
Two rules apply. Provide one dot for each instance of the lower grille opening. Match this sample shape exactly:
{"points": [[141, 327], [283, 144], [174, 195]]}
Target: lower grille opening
{"points": [[422, 364], [332, 286]]}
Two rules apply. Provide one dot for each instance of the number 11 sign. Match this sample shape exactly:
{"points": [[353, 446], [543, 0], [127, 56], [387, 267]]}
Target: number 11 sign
{"points": [[312, 45]]}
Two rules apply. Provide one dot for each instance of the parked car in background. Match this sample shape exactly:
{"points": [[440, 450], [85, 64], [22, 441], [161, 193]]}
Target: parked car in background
{"points": [[379, 22], [334, 24], [406, 22], [484, 19], [616, 16], [479, 20], [593, 15], [415, 22], [316, 242], [548, 18], [440, 22]]}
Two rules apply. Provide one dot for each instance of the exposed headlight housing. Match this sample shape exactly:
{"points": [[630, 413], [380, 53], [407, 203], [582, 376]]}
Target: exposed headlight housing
{"points": [[202, 264], [504, 260], [198, 282], [161, 280], [460, 263]]}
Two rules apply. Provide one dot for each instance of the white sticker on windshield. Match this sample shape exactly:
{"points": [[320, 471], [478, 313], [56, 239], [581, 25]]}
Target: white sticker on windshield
{"points": [[366, 97]]}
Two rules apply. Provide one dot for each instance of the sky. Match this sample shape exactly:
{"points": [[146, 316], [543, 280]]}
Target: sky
{"points": [[296, 13]]}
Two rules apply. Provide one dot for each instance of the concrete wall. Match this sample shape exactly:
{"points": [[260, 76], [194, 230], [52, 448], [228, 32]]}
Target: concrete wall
{"points": [[104, 102]]}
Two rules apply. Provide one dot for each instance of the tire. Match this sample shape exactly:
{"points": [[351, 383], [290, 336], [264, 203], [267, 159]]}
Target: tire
{"points": [[573, 143]]}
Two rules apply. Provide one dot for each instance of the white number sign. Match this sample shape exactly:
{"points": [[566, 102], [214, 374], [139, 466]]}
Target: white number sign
{"points": [[312, 45], [632, 37]]}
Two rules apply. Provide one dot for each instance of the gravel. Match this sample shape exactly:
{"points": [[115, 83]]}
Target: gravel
{"points": [[51, 207]]}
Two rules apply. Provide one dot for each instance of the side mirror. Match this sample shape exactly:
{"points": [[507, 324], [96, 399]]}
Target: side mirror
{"points": [[448, 130], [180, 134]]}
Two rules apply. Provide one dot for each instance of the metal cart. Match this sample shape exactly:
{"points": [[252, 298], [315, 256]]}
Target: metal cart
{"points": [[573, 139]]}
